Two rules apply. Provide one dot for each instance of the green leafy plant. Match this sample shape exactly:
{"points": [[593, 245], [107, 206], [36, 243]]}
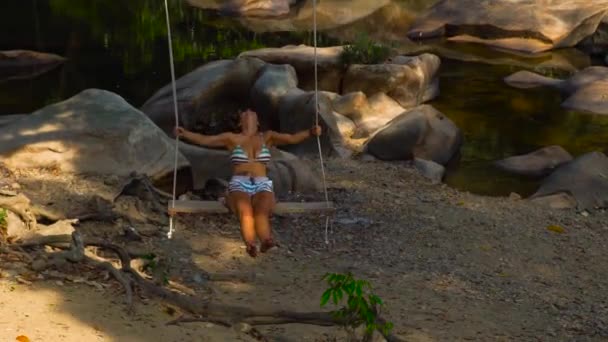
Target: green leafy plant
{"points": [[3, 218], [364, 51], [362, 305]]}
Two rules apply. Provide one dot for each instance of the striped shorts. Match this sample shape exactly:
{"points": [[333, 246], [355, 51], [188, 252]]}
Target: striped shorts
{"points": [[250, 185]]}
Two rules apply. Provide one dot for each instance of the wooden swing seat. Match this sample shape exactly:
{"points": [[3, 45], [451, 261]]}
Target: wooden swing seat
{"points": [[214, 207]]}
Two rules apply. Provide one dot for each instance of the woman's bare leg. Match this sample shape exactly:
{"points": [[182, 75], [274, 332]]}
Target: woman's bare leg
{"points": [[263, 203], [240, 203]]}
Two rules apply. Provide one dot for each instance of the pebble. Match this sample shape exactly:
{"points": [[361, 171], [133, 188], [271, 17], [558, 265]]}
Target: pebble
{"points": [[39, 265]]}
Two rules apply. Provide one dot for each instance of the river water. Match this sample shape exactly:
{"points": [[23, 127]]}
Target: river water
{"points": [[121, 46]]}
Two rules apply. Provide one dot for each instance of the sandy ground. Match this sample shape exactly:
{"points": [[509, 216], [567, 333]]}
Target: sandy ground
{"points": [[450, 266]]}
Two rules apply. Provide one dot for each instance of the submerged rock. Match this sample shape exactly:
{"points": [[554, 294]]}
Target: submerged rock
{"points": [[587, 90], [26, 64], [535, 164]]}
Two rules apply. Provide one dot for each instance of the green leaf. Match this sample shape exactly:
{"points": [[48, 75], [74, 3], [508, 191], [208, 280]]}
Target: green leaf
{"points": [[325, 297], [358, 289], [334, 295], [349, 288], [375, 299], [388, 326]]}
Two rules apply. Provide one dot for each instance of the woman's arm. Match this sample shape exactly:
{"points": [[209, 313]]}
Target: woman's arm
{"points": [[220, 140], [295, 138]]}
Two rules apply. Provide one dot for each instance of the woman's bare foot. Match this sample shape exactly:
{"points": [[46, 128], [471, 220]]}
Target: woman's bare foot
{"points": [[268, 244], [252, 250]]}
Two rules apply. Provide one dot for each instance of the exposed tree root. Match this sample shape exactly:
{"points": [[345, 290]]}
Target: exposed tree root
{"points": [[20, 205], [192, 319], [105, 215], [124, 281], [202, 309]]}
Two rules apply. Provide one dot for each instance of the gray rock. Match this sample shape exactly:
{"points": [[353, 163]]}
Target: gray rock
{"points": [[585, 179], [203, 93], [380, 110], [410, 83], [6, 119], [352, 105], [560, 200], [256, 8], [422, 132], [297, 112], [288, 173], [430, 170], [301, 57], [346, 126], [274, 81], [330, 14], [585, 91], [535, 164], [95, 132], [26, 64], [538, 26]]}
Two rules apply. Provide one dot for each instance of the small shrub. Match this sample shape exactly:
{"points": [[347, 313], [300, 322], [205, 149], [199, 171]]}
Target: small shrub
{"points": [[364, 51], [362, 305]]}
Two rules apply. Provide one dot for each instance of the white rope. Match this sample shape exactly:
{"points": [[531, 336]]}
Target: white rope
{"points": [[314, 16], [171, 220], [171, 223]]}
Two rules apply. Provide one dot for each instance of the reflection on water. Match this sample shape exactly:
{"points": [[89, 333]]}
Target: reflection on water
{"points": [[121, 46], [500, 121]]}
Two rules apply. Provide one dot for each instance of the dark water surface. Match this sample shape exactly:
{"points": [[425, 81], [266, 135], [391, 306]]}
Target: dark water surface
{"points": [[121, 46]]}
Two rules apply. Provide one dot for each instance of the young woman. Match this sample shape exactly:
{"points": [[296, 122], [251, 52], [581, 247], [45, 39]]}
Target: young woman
{"points": [[250, 191]]}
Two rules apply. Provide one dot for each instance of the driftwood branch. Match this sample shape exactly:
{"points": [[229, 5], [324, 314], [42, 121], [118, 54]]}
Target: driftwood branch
{"points": [[203, 309]]}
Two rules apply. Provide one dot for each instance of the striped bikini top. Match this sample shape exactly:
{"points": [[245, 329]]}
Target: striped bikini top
{"points": [[238, 155]]}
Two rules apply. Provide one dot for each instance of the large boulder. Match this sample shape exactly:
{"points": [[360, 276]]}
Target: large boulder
{"points": [[585, 91], [368, 114], [331, 14], [203, 94], [253, 8], [563, 60], [7, 119], [297, 112], [408, 80], [301, 57], [94, 132], [386, 24], [380, 110], [422, 132], [537, 163], [523, 25], [26, 64], [288, 173], [585, 179], [274, 82]]}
